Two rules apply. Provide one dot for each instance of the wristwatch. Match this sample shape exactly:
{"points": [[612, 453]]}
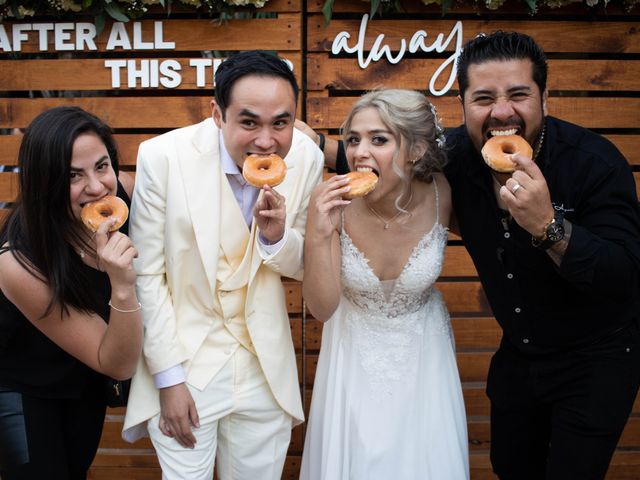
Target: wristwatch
{"points": [[553, 233]]}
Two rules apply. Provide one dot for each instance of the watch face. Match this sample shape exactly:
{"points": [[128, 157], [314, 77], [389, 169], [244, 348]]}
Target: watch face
{"points": [[555, 232]]}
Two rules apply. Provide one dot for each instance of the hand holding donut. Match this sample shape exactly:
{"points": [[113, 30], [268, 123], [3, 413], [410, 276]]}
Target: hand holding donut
{"points": [[327, 201], [114, 255], [270, 213], [527, 197], [498, 152], [361, 184]]}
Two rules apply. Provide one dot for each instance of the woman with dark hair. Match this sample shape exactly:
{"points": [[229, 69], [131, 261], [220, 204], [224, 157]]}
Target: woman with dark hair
{"points": [[69, 315]]}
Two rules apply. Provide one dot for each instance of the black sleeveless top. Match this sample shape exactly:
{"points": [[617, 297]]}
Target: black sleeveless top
{"points": [[32, 364]]}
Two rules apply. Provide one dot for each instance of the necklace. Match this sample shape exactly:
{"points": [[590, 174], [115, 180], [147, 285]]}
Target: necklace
{"points": [[81, 251], [539, 144], [387, 223]]}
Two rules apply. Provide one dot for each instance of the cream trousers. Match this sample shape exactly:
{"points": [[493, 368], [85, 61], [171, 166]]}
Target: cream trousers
{"points": [[240, 423]]}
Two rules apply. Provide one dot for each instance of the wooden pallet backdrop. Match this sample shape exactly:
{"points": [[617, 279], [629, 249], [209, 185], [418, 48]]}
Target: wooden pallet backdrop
{"points": [[594, 80]]}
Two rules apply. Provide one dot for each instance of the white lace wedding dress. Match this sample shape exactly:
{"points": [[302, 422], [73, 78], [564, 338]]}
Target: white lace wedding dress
{"points": [[387, 402]]}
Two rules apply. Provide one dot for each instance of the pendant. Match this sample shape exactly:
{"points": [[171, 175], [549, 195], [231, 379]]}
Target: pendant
{"points": [[386, 226]]}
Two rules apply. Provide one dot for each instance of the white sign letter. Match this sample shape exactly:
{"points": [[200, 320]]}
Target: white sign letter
{"points": [[118, 37], [85, 33], [43, 40], [201, 64], [158, 39], [170, 69], [133, 73], [61, 35], [456, 32], [138, 44], [19, 36], [115, 66], [5, 44]]}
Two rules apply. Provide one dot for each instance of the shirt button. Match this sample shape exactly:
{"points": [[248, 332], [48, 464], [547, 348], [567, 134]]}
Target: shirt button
{"points": [[227, 351], [228, 321], [525, 340], [517, 309], [509, 276], [507, 235]]}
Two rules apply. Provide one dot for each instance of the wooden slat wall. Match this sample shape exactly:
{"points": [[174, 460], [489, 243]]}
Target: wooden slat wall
{"points": [[594, 71], [594, 80], [81, 78]]}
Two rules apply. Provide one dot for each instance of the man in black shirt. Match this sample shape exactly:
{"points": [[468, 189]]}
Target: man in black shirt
{"points": [[557, 248]]}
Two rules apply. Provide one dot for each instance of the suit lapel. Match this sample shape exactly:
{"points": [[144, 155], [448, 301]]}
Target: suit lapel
{"points": [[201, 171]]}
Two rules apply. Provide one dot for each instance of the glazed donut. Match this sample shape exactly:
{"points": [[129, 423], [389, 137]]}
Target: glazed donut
{"points": [[361, 183], [94, 213], [261, 170], [498, 150]]}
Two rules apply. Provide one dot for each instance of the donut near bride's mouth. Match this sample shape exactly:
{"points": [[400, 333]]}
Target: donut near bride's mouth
{"points": [[362, 182]]}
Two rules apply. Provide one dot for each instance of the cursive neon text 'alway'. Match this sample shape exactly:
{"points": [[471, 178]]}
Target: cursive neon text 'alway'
{"points": [[417, 43]]}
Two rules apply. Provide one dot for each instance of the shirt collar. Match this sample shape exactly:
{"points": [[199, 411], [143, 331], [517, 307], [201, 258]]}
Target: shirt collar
{"points": [[229, 167]]}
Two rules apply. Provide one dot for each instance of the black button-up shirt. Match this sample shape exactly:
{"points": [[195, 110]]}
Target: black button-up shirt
{"points": [[543, 308]]}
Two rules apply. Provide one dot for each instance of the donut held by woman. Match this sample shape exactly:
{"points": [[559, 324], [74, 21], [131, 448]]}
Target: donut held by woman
{"points": [[498, 151], [261, 170], [361, 183], [109, 206]]}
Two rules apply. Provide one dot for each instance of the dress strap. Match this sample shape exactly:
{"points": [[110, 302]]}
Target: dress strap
{"points": [[435, 186]]}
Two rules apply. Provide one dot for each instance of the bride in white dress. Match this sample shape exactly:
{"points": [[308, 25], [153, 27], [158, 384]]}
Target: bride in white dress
{"points": [[387, 402]]}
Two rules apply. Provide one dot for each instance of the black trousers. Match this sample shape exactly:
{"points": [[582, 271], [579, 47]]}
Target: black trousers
{"points": [[48, 439], [561, 416]]}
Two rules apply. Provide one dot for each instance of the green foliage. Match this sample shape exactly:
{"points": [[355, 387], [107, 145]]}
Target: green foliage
{"points": [[380, 7], [119, 10]]}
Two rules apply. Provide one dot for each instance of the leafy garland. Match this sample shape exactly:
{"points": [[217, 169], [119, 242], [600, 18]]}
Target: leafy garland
{"points": [[124, 10], [119, 10], [380, 7]]}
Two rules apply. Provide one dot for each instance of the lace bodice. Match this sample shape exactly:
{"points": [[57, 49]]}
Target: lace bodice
{"points": [[411, 289], [387, 329]]}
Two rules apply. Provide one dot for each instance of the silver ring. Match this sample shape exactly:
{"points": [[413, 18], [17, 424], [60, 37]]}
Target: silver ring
{"points": [[515, 188]]}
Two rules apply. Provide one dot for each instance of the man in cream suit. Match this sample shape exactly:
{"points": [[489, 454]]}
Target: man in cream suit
{"points": [[218, 379]]}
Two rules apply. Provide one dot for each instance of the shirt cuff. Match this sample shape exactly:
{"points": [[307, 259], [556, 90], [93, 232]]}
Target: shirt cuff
{"points": [[169, 377], [269, 250]]}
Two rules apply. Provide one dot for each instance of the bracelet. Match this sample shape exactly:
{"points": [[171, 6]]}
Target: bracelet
{"points": [[125, 311], [321, 141]]}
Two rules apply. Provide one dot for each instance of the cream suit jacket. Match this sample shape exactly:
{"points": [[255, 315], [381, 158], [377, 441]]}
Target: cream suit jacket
{"points": [[175, 225]]}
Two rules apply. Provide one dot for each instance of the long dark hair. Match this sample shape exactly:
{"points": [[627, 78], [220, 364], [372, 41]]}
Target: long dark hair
{"points": [[41, 229]]}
